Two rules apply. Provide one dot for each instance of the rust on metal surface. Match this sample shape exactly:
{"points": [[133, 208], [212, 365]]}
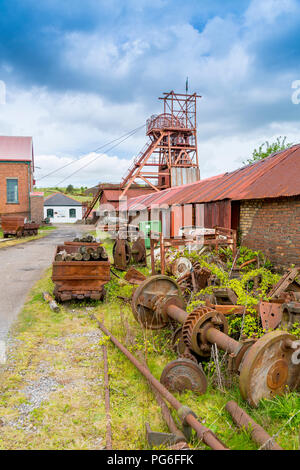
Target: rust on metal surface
{"points": [[265, 366], [15, 225], [224, 296], [270, 314], [287, 282], [158, 438], [226, 309], [178, 267], [150, 296], [220, 237], [184, 374], [121, 254], [274, 176], [196, 279], [244, 421], [79, 279], [172, 146], [133, 276], [290, 315], [186, 415], [138, 251]]}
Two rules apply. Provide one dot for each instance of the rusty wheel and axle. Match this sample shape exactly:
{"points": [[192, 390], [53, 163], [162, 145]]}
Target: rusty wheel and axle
{"points": [[265, 366]]}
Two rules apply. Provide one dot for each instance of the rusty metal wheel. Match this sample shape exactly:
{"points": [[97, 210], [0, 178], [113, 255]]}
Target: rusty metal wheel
{"points": [[139, 251], [268, 369], [184, 374], [195, 326], [121, 260], [178, 345], [147, 296]]}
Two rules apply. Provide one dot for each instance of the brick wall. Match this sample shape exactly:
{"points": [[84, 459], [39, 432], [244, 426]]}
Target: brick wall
{"points": [[37, 207], [272, 226], [21, 171]]}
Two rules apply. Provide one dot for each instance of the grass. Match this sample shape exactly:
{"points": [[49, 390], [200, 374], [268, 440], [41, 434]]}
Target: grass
{"points": [[76, 194], [67, 348], [42, 232]]}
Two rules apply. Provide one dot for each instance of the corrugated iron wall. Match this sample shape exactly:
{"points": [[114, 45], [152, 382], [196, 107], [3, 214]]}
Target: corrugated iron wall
{"points": [[182, 176], [217, 213]]}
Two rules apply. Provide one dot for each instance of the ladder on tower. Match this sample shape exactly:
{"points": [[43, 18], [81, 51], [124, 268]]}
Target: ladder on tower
{"points": [[139, 161], [91, 206]]}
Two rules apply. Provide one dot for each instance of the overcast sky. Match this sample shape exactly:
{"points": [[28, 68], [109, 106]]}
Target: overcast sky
{"points": [[81, 74]]}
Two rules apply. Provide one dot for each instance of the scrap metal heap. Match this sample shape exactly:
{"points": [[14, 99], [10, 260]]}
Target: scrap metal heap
{"points": [[265, 366]]}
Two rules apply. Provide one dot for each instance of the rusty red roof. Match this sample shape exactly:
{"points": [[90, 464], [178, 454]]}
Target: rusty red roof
{"points": [[114, 194], [275, 176], [16, 148]]}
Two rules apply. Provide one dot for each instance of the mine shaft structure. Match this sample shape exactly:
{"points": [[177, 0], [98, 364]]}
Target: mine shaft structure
{"points": [[170, 158]]}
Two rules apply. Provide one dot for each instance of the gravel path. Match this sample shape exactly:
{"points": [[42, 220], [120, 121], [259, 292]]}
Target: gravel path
{"points": [[22, 266]]}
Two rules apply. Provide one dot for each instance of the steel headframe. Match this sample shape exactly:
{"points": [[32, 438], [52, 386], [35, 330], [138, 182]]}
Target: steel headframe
{"points": [[172, 144]]}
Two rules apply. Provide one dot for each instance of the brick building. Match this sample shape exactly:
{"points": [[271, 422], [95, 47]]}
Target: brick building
{"points": [[16, 175], [261, 201]]}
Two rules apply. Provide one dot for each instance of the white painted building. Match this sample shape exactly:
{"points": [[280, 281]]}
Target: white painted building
{"points": [[62, 209]]}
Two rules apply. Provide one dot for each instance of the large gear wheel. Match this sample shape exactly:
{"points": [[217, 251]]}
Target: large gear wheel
{"points": [[195, 325]]}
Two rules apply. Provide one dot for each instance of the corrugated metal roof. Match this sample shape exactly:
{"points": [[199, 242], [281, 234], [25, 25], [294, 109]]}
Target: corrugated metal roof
{"points": [[16, 148], [114, 194], [275, 176], [59, 199]]}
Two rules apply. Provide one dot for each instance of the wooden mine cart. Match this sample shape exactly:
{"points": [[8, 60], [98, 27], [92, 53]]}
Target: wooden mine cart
{"points": [[79, 279]]}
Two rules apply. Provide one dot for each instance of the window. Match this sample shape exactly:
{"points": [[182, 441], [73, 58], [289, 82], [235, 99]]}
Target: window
{"points": [[12, 196], [72, 213], [50, 213]]}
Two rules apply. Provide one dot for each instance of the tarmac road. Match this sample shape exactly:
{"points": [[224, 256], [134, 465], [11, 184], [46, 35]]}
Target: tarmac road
{"points": [[22, 265]]}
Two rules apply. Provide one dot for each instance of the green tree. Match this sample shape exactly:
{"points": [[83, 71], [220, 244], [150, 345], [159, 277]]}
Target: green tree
{"points": [[267, 148], [70, 188]]}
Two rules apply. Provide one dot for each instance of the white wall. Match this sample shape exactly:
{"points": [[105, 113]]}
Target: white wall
{"points": [[61, 214]]}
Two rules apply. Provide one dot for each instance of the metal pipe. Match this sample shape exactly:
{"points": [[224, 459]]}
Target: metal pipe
{"points": [[258, 434], [222, 340], [166, 414], [177, 313], [203, 433]]}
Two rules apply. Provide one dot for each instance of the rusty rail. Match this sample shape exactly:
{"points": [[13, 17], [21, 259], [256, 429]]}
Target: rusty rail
{"points": [[187, 416], [243, 420]]}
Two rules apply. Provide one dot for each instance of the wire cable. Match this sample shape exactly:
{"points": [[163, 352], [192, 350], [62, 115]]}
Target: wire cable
{"points": [[88, 163], [93, 151]]}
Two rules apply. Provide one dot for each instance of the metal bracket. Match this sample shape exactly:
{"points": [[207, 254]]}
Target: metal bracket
{"points": [[157, 439], [183, 412]]}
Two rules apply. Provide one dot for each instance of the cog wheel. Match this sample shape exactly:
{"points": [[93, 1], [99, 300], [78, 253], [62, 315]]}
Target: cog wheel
{"points": [[188, 354], [197, 321]]}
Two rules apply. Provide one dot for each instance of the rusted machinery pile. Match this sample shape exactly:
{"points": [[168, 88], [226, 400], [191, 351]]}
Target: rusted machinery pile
{"points": [[266, 366], [16, 226], [80, 270], [125, 252]]}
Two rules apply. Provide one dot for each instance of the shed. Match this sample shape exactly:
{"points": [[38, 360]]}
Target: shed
{"points": [[60, 208], [261, 201]]}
